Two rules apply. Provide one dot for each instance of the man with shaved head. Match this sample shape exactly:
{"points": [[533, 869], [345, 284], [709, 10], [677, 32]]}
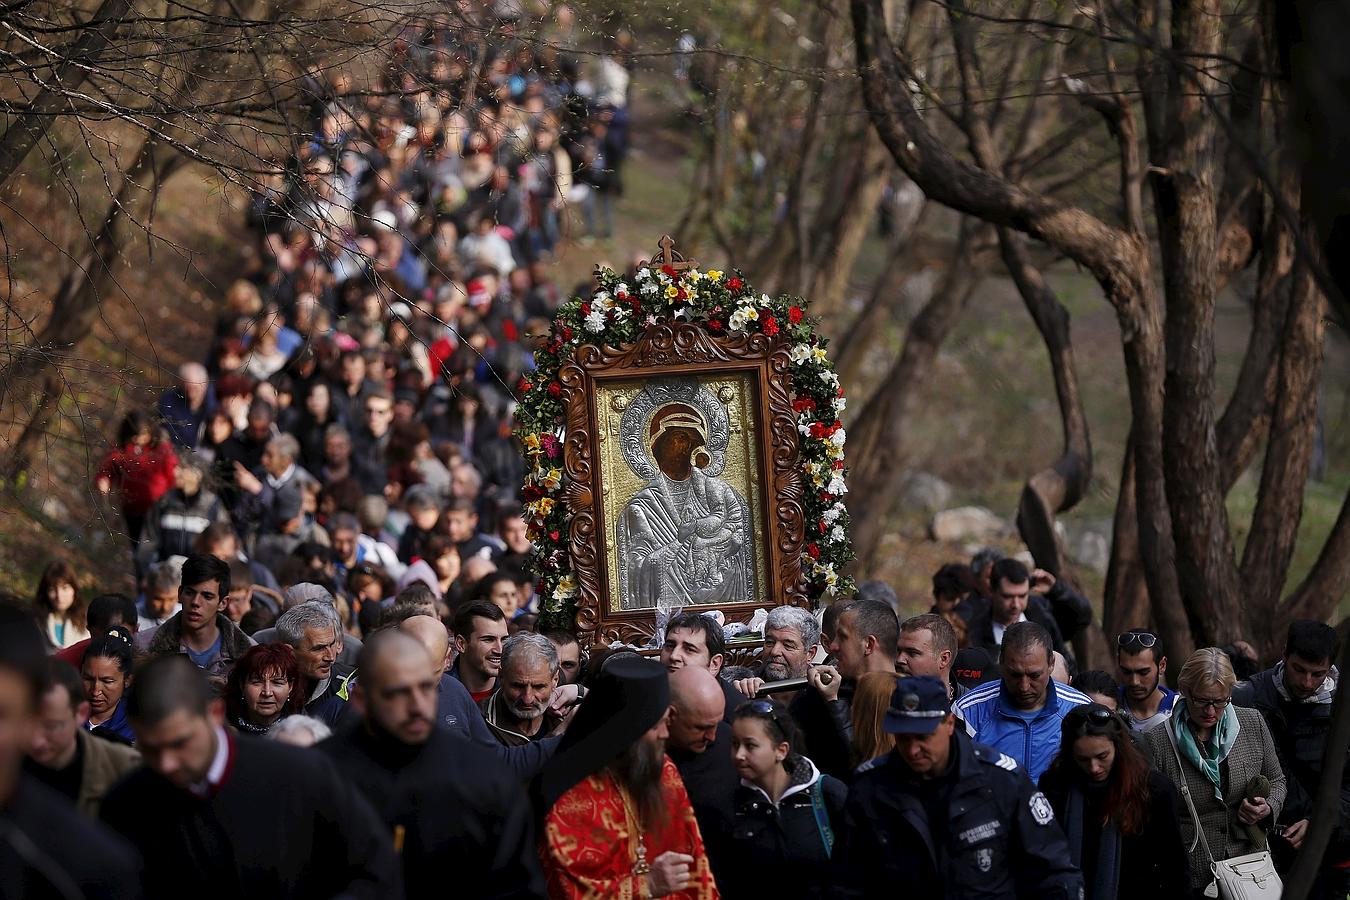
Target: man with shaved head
{"points": [[450, 804], [700, 746], [456, 710]]}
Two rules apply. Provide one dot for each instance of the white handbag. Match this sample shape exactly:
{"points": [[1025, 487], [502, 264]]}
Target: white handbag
{"points": [[1249, 877]]}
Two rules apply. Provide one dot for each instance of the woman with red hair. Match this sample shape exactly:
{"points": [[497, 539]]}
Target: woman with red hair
{"points": [[1120, 816], [263, 688]]}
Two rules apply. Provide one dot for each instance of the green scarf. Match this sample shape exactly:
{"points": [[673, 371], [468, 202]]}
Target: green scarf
{"points": [[1216, 749]]}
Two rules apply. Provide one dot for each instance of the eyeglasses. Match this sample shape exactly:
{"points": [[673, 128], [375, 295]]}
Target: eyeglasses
{"points": [[1200, 702], [1145, 639]]}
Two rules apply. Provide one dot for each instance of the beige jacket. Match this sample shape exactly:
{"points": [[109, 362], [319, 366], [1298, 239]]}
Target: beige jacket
{"points": [[1253, 754], [105, 762]]}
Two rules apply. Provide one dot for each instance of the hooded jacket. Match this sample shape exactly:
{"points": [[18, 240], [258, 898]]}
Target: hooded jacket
{"points": [[780, 848]]}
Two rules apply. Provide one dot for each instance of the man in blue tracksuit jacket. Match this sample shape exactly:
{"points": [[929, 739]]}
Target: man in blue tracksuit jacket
{"points": [[943, 816], [1020, 714]]}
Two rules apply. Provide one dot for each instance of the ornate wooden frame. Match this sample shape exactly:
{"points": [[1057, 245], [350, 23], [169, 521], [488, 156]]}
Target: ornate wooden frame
{"points": [[680, 349]]}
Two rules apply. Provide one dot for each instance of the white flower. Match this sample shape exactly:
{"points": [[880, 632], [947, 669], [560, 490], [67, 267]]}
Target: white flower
{"points": [[837, 534], [840, 404], [595, 322], [804, 426], [800, 353], [837, 439], [621, 313], [649, 321], [649, 287], [831, 514], [567, 588], [601, 300], [818, 354], [663, 277], [829, 378], [644, 274], [737, 321], [837, 486], [682, 313], [621, 288], [764, 300]]}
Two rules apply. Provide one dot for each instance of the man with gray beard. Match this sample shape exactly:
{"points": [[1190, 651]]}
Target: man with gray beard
{"points": [[791, 639], [518, 710]]}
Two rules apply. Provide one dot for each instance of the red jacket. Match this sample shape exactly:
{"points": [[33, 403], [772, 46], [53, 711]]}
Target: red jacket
{"points": [[142, 475]]}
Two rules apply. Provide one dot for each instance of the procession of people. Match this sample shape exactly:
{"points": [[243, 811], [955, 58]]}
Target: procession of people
{"points": [[332, 679]]}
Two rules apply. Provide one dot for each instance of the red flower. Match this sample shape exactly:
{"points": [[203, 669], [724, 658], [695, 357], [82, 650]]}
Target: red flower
{"points": [[839, 465], [826, 497], [531, 492], [795, 314], [566, 333], [822, 526], [670, 271], [733, 284], [622, 296], [554, 535], [714, 325], [525, 385], [585, 310], [554, 389], [813, 551], [539, 587], [801, 404], [770, 326], [681, 294]]}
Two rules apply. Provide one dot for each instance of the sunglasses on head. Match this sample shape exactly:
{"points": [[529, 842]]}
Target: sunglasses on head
{"points": [[765, 708], [1145, 639], [1094, 714]]}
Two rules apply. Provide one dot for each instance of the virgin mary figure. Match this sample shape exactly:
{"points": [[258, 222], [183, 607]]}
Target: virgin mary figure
{"points": [[683, 539]]}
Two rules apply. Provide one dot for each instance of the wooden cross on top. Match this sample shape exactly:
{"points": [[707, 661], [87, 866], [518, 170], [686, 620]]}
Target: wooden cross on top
{"points": [[669, 256]]}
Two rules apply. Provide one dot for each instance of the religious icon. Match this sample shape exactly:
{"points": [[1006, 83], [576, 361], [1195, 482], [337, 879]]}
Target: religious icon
{"points": [[685, 538]]}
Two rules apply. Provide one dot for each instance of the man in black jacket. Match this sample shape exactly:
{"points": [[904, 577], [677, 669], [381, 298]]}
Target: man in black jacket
{"points": [[947, 817], [1295, 699], [219, 816], [451, 806], [1010, 602]]}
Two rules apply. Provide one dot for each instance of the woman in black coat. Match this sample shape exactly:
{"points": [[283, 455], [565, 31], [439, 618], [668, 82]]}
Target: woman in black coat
{"points": [[1120, 816], [786, 811]]}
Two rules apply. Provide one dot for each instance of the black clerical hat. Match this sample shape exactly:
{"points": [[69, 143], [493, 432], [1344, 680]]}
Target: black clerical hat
{"points": [[629, 697]]}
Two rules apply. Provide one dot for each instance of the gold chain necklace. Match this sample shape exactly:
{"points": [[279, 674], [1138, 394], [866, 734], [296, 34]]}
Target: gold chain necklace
{"points": [[640, 865]]}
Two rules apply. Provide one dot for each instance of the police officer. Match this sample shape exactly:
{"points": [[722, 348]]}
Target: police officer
{"points": [[947, 817]]}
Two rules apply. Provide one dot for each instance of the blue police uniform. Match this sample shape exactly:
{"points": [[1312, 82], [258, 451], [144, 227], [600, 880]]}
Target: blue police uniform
{"points": [[980, 831]]}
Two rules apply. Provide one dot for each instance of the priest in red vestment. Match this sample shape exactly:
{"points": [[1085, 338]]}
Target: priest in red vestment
{"points": [[618, 822]]}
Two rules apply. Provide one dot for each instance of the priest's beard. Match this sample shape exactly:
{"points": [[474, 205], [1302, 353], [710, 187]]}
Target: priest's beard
{"points": [[638, 769]]}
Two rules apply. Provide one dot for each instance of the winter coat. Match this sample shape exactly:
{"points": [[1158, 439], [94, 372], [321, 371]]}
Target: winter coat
{"points": [[1253, 754], [168, 639], [175, 521], [1152, 862], [998, 839], [141, 475], [780, 848], [104, 764]]}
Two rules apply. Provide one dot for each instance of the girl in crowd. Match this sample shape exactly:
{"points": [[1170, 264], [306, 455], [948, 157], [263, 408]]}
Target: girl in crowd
{"points": [[1120, 816], [141, 468], [786, 812], [106, 672], [263, 688], [59, 606], [1227, 759], [499, 589], [870, 703]]}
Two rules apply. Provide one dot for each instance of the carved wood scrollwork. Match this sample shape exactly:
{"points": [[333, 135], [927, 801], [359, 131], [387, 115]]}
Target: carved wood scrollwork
{"points": [[681, 349]]}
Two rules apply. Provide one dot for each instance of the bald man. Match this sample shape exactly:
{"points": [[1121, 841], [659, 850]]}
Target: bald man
{"points": [[456, 711], [700, 746], [185, 407], [451, 805]]}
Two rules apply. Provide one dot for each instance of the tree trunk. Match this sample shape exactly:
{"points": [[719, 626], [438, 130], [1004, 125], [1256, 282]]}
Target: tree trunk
{"points": [[76, 305], [25, 131], [879, 439], [836, 256]]}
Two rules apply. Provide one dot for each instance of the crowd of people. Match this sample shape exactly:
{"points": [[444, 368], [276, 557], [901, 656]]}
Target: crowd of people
{"points": [[332, 681]]}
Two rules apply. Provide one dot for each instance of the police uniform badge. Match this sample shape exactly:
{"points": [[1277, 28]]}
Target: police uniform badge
{"points": [[984, 859], [1040, 809]]}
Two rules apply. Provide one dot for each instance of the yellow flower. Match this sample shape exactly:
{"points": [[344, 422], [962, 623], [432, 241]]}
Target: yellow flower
{"points": [[544, 505], [566, 589], [672, 292], [818, 353], [749, 312], [550, 479], [531, 442], [714, 275]]}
